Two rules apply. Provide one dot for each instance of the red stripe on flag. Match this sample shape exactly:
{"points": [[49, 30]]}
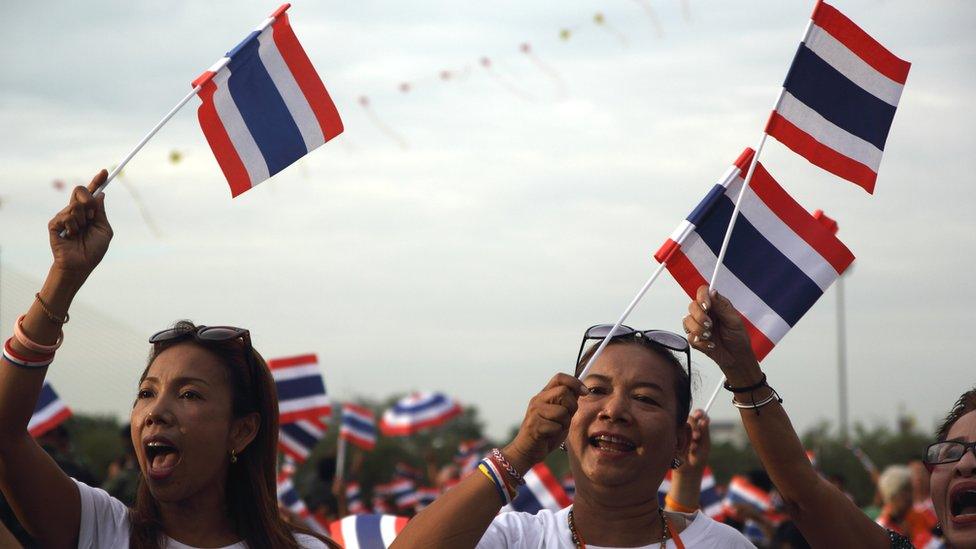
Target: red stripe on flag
{"points": [[802, 223], [399, 524], [51, 422], [287, 362], [335, 532], [819, 154], [364, 443], [861, 43], [281, 10], [401, 430], [311, 414], [665, 251], [688, 277], [744, 160], [220, 143], [308, 80], [552, 485]]}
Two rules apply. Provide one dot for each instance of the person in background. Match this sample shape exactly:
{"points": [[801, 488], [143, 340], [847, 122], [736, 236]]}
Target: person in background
{"points": [[122, 480], [895, 485]]}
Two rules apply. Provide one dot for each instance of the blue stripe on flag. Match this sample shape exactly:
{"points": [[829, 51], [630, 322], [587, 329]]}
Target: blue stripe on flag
{"points": [[289, 497], [368, 532], [46, 397], [242, 43], [423, 405], [300, 435], [825, 90], [526, 501], [783, 286], [263, 110], [300, 387], [703, 207], [357, 424]]}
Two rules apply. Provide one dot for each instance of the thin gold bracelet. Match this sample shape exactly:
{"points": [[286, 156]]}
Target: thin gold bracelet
{"points": [[53, 317]]}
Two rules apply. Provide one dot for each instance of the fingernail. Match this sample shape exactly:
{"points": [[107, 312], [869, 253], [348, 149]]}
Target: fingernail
{"points": [[706, 334], [704, 305], [696, 340], [711, 345], [707, 324]]}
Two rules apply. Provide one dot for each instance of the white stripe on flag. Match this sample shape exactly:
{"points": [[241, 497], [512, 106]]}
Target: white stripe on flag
{"points": [[396, 419], [240, 136], [292, 372], [780, 235], [45, 414], [349, 533], [540, 491], [828, 133], [856, 70], [388, 529], [748, 303], [295, 100], [298, 404]]}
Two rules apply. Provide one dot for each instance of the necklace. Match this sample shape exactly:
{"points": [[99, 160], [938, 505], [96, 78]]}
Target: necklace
{"points": [[580, 544]]}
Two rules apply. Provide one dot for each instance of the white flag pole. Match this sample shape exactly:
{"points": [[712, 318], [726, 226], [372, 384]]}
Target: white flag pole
{"points": [[623, 317], [341, 458]]}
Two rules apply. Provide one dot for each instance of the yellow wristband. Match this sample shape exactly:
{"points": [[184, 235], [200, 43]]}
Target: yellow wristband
{"points": [[671, 504]]}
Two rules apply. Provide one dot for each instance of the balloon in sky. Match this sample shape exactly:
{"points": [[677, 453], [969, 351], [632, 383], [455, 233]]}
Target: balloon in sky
{"points": [[552, 73]]}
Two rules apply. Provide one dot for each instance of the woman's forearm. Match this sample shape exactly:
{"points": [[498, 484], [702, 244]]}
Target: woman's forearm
{"points": [[20, 387], [456, 519]]}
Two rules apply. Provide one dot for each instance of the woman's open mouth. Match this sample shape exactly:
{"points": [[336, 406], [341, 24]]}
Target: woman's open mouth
{"points": [[612, 443], [962, 503], [162, 457]]}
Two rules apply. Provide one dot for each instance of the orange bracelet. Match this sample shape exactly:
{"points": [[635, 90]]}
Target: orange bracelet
{"points": [[670, 503]]}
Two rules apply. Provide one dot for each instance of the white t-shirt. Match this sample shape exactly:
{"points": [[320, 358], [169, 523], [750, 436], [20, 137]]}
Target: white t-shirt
{"points": [[105, 524], [550, 530]]}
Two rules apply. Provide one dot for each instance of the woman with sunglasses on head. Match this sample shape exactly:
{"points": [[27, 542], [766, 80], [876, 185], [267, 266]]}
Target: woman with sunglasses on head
{"points": [[825, 516], [204, 425], [624, 426]]}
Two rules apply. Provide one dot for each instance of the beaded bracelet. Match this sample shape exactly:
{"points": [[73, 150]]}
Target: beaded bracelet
{"points": [[496, 454], [761, 383], [53, 317], [12, 357], [32, 345]]}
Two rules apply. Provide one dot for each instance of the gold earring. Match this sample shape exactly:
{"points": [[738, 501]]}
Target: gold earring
{"points": [[233, 456]]}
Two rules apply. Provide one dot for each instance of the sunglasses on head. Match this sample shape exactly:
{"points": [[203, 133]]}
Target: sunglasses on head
{"points": [[664, 338], [203, 334]]}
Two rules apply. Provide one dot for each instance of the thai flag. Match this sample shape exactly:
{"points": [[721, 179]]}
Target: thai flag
{"points": [[541, 490], [469, 455], [839, 98], [779, 261], [403, 492], [380, 506], [741, 491], [569, 486], [297, 439], [49, 412], [358, 426], [710, 502], [301, 389], [289, 499], [263, 105], [417, 412], [354, 499], [426, 496], [404, 470], [367, 531]]}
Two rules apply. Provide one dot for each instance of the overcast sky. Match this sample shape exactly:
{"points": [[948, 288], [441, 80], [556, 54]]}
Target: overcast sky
{"points": [[525, 207]]}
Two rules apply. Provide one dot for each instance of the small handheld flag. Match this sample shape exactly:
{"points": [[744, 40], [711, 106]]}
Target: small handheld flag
{"points": [[301, 389], [49, 412], [417, 412], [779, 261], [542, 490], [367, 531], [264, 106], [839, 98], [297, 439], [358, 426]]}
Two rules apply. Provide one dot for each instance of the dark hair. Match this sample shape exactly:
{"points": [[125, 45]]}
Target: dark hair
{"points": [[251, 490], [682, 383], [965, 404]]}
